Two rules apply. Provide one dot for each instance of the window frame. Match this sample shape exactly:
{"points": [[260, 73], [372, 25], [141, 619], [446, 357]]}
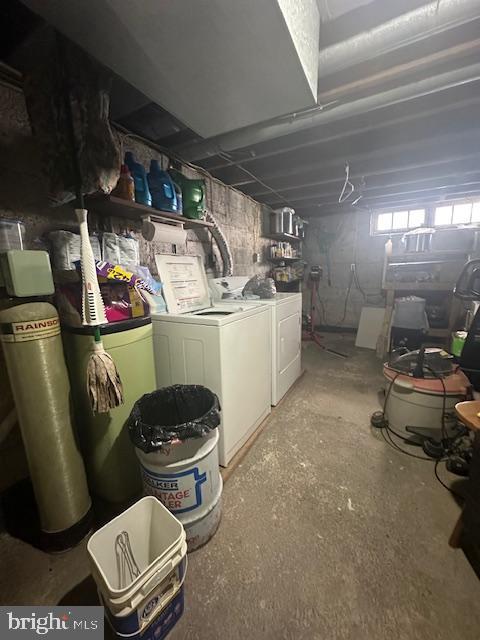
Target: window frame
{"points": [[374, 231], [429, 217], [454, 225]]}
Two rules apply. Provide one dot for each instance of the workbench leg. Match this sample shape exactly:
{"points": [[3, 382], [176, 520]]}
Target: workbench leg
{"points": [[383, 342]]}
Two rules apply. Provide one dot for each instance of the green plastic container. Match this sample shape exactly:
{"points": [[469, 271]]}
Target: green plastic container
{"points": [[110, 461], [458, 342], [193, 194]]}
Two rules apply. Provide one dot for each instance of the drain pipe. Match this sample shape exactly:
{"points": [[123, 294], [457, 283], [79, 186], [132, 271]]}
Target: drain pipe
{"points": [[284, 126], [419, 24], [222, 244]]}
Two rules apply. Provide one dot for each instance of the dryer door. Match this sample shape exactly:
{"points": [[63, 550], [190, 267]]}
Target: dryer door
{"points": [[289, 347]]}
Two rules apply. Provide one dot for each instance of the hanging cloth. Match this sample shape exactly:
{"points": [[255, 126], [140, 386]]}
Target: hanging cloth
{"points": [[88, 87]]}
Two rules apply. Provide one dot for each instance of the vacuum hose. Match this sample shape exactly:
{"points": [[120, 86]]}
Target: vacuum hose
{"points": [[222, 244], [30, 337]]}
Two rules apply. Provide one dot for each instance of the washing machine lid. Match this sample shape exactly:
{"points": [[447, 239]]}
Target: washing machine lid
{"points": [[184, 280]]}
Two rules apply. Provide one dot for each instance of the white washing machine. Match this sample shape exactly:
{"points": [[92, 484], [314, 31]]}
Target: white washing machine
{"points": [[224, 347], [286, 329]]}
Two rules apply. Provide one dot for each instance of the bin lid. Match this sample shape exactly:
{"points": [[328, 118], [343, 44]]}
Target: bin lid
{"points": [[185, 286]]}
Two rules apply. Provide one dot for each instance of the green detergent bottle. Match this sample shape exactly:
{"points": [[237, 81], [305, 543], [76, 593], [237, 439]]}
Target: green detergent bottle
{"points": [[193, 194]]}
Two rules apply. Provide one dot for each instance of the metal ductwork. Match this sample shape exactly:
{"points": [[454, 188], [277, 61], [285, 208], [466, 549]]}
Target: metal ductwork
{"points": [[333, 9], [285, 126], [416, 25]]}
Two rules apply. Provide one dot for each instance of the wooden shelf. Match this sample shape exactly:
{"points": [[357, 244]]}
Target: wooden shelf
{"points": [[422, 254], [283, 237], [275, 260], [417, 286], [421, 263], [113, 206]]}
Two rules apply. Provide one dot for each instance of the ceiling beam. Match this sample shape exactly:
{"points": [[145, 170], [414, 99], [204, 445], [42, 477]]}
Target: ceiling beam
{"points": [[426, 184], [281, 127], [452, 165], [418, 151], [319, 137], [400, 71], [392, 202], [399, 32]]}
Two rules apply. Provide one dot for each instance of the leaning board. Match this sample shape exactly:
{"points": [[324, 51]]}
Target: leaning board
{"points": [[369, 327]]}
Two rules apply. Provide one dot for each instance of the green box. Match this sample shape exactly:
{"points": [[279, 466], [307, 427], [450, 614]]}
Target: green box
{"points": [[27, 273]]}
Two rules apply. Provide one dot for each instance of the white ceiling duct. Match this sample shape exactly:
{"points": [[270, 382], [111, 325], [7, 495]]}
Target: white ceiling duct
{"points": [[317, 118], [331, 9], [216, 65]]}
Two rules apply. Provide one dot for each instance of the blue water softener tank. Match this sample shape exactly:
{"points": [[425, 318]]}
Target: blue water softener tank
{"points": [[161, 188], [139, 175]]}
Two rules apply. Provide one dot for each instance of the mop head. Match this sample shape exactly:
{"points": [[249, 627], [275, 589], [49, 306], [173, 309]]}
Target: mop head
{"points": [[103, 382]]}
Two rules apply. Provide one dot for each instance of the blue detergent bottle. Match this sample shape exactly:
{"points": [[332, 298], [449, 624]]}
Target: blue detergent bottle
{"points": [[139, 175], [162, 188]]}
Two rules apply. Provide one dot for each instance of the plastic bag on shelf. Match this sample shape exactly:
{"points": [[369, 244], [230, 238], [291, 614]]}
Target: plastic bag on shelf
{"points": [[119, 249], [66, 249], [261, 287]]}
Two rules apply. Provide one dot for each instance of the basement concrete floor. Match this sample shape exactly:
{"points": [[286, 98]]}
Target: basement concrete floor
{"points": [[327, 532]]}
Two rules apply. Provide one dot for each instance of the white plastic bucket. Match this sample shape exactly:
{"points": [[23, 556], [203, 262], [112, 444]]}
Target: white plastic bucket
{"points": [[157, 540], [185, 477], [160, 626]]}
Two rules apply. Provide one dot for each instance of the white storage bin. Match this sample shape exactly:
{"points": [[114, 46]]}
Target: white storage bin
{"points": [[157, 540]]}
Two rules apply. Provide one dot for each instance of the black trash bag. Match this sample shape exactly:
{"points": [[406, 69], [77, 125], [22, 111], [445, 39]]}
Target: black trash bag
{"points": [[178, 412]]}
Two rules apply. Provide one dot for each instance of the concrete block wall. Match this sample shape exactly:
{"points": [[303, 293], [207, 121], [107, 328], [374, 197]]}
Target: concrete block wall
{"points": [[24, 196], [348, 239], [339, 241]]}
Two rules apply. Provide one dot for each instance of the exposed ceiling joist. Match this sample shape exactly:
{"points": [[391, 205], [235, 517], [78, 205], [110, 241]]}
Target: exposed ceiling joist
{"points": [[393, 189], [407, 201], [401, 108], [455, 166], [366, 124], [322, 116], [417, 151], [402, 31], [398, 72]]}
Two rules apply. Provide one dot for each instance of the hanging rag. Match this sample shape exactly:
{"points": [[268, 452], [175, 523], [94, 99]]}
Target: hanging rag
{"points": [[89, 84]]}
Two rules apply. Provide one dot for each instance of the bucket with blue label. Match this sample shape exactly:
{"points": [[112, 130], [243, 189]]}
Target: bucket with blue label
{"points": [[185, 477], [175, 434]]}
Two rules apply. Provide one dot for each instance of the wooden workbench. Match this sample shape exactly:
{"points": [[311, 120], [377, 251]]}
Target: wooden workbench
{"points": [[466, 533]]}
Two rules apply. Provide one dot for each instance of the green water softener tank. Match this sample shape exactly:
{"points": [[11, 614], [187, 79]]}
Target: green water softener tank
{"points": [[193, 194], [112, 467]]}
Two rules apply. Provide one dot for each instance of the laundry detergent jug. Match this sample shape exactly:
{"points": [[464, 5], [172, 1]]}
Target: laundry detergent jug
{"points": [[162, 188], [137, 170], [193, 194]]}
